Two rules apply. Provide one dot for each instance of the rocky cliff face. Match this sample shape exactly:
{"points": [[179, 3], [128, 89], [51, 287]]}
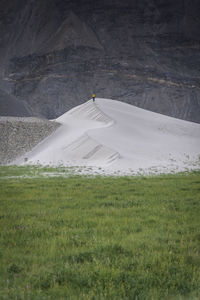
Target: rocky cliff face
{"points": [[56, 53], [10, 106]]}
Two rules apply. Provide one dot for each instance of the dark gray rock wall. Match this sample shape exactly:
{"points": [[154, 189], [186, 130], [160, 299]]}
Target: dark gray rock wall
{"points": [[142, 52], [10, 106]]}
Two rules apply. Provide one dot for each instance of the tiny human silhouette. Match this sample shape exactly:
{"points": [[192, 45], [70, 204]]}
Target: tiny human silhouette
{"points": [[93, 97]]}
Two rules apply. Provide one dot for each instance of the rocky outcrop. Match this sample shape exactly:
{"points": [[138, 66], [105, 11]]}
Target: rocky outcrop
{"points": [[11, 106], [142, 52], [20, 135]]}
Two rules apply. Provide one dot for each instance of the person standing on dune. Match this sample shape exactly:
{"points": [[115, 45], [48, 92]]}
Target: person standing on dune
{"points": [[93, 97]]}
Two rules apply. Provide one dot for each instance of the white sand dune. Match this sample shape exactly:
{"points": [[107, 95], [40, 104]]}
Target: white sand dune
{"points": [[112, 136]]}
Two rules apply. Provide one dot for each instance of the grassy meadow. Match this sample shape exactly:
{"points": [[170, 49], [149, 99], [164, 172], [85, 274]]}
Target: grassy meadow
{"points": [[80, 237]]}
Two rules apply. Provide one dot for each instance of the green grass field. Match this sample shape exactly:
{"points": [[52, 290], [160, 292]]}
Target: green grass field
{"points": [[99, 237]]}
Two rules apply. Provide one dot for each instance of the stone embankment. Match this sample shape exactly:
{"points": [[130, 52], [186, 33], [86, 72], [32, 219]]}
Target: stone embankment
{"points": [[19, 135]]}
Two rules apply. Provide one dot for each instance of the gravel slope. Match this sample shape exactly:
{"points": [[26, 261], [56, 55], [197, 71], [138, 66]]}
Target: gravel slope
{"points": [[20, 135]]}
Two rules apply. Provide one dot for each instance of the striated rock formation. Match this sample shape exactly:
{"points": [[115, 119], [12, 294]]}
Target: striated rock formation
{"points": [[55, 53]]}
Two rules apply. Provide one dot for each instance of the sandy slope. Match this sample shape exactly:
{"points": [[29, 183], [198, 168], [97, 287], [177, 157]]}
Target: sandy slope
{"points": [[117, 137]]}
